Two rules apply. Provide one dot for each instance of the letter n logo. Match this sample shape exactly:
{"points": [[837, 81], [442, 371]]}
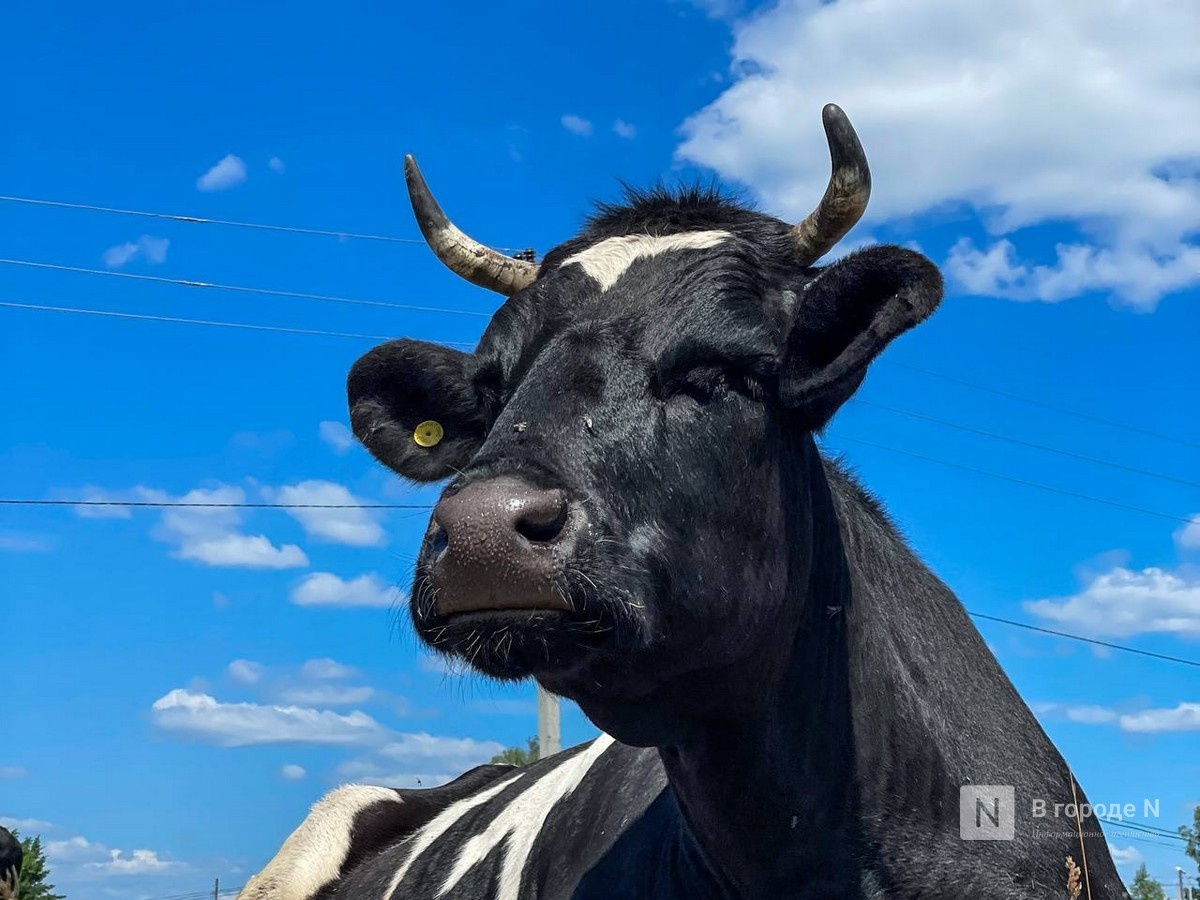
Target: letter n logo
{"points": [[987, 812]]}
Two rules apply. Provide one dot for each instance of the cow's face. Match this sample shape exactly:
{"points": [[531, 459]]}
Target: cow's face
{"points": [[624, 448], [629, 447]]}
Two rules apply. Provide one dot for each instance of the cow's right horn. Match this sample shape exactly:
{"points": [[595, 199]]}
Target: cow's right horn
{"points": [[846, 196], [477, 263]]}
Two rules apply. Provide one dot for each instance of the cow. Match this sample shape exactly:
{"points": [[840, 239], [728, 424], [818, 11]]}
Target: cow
{"points": [[638, 517], [11, 856]]}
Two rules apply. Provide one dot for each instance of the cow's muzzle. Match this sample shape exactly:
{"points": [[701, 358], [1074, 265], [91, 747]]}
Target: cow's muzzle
{"points": [[501, 544]]}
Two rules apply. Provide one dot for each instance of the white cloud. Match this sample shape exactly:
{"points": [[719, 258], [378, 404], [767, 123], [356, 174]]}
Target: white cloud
{"points": [[228, 173], [74, 849], [13, 771], [1188, 537], [275, 164], [327, 589], [1080, 112], [203, 718], [623, 129], [1090, 715], [577, 125], [152, 249], [205, 534], [94, 494], [248, 551], [423, 750], [1137, 274], [212, 535], [118, 255], [245, 671], [293, 772], [411, 758], [1123, 603], [356, 527], [339, 438], [326, 669], [15, 542], [717, 9], [1125, 856], [1184, 717], [1084, 715], [83, 857], [138, 862], [28, 826], [327, 695]]}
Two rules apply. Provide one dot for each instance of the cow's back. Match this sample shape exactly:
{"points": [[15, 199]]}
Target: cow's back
{"points": [[579, 818]]}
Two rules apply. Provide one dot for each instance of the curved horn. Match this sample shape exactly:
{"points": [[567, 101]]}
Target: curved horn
{"points": [[464, 256], [846, 196]]}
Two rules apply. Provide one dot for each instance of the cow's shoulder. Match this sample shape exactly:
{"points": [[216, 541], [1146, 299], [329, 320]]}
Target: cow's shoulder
{"points": [[351, 824]]}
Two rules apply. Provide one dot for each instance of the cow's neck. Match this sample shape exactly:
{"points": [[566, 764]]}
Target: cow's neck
{"points": [[766, 786]]}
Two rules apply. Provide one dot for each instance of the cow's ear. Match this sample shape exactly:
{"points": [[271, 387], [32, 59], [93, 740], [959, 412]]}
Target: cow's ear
{"points": [[412, 404], [844, 318]]}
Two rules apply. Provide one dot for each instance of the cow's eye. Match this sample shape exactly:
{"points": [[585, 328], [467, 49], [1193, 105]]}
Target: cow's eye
{"points": [[698, 383]]}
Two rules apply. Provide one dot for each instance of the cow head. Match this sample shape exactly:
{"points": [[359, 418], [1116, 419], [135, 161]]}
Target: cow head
{"points": [[630, 446]]}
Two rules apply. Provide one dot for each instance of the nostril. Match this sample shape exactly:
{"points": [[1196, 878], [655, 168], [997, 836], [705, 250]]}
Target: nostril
{"points": [[438, 542], [543, 522]]}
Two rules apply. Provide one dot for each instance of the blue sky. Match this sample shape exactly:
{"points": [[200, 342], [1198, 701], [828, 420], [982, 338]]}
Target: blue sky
{"points": [[183, 684]]}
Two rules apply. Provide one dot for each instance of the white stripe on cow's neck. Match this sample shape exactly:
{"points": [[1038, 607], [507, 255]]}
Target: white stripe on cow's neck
{"points": [[439, 825], [607, 260], [521, 822]]}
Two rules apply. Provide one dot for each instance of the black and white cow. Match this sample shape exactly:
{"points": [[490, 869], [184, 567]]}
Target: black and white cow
{"points": [[640, 519], [10, 865]]}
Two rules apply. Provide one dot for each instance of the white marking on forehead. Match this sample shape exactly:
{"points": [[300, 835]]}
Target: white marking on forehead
{"points": [[521, 822], [608, 260]]}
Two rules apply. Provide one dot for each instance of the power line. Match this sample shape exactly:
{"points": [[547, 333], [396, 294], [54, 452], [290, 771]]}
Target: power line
{"points": [[162, 504], [1023, 443], [415, 241], [266, 292], [1078, 637], [199, 220], [1142, 840], [1148, 829], [1050, 406], [179, 321], [426, 506], [376, 337], [1033, 484], [196, 895]]}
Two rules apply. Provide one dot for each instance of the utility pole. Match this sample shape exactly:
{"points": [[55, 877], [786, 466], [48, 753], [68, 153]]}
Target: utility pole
{"points": [[549, 731], [216, 888], [1179, 872]]}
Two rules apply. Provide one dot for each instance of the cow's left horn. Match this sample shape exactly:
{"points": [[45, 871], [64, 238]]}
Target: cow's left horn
{"points": [[477, 263], [846, 196]]}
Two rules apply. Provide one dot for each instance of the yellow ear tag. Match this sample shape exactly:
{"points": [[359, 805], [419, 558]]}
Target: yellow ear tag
{"points": [[428, 434]]}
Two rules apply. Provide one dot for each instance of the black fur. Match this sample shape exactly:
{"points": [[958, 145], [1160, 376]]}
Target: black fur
{"points": [[810, 695]]}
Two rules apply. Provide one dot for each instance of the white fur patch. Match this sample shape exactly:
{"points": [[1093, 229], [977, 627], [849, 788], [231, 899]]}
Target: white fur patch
{"points": [[440, 824], [521, 822], [608, 260], [313, 854]]}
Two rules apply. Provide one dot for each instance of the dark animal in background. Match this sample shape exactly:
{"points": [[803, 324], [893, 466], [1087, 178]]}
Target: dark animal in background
{"points": [[10, 865], [638, 517]]}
